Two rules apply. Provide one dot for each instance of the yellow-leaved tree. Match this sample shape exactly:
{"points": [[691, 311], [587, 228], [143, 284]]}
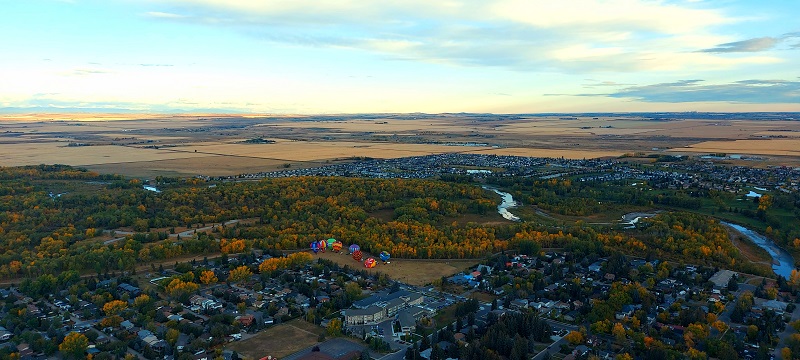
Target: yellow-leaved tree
{"points": [[240, 273]]}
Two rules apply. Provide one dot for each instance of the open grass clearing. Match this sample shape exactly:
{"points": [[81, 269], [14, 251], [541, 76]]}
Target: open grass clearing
{"points": [[411, 271], [278, 341]]}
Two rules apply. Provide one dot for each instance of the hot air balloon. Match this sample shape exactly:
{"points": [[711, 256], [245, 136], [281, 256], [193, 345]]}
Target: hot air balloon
{"points": [[337, 246], [370, 263], [384, 256], [357, 255], [315, 247], [354, 248], [322, 245], [330, 242]]}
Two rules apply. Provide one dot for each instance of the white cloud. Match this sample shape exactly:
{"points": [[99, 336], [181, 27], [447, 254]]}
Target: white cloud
{"points": [[566, 36], [653, 16], [164, 15]]}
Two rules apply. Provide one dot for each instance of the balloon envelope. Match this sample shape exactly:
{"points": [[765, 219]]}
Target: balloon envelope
{"points": [[330, 242], [337, 246], [354, 248], [357, 255], [370, 263], [384, 256], [314, 247]]}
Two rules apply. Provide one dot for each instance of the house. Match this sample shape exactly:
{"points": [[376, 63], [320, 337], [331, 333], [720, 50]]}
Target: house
{"points": [[133, 291], [24, 350], [407, 322], [246, 320], [5, 334], [484, 269], [519, 304]]}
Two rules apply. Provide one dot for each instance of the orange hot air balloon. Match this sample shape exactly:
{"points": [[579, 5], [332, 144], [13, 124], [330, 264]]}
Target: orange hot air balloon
{"points": [[370, 263], [337, 246]]}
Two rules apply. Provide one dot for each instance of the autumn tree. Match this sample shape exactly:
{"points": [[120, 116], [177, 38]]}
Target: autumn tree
{"points": [[111, 321], [114, 307], [619, 333], [177, 288], [334, 327], [240, 273], [207, 277], [574, 337], [74, 345]]}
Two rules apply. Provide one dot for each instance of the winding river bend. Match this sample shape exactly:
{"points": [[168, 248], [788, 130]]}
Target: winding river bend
{"points": [[782, 261], [508, 202]]}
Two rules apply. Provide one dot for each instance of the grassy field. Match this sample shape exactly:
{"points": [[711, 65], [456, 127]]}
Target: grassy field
{"points": [[415, 272], [278, 341]]}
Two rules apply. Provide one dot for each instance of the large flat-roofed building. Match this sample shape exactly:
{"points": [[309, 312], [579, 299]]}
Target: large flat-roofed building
{"points": [[370, 315], [721, 278]]}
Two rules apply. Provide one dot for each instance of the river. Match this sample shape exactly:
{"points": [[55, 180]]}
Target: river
{"points": [[508, 202], [782, 261]]}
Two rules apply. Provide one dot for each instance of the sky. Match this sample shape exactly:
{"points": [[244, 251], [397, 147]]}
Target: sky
{"points": [[386, 56]]}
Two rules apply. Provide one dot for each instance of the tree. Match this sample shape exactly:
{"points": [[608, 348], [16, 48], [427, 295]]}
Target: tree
{"points": [[733, 285], [619, 333], [334, 327], [172, 336], [141, 301], [240, 273], [74, 345], [786, 353], [207, 277], [574, 337], [114, 307], [177, 288]]}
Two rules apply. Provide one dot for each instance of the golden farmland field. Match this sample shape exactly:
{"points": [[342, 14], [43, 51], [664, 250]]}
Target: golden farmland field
{"points": [[151, 145]]}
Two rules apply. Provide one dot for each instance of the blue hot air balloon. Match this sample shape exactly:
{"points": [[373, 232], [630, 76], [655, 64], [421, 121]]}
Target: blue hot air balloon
{"points": [[315, 247], [384, 256], [354, 248]]}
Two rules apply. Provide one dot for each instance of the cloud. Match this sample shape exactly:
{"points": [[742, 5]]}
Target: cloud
{"points": [[541, 35], [85, 72], [753, 45], [750, 45], [744, 91], [164, 15]]}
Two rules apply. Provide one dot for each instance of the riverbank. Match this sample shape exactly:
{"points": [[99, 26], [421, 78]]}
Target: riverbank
{"points": [[782, 261]]}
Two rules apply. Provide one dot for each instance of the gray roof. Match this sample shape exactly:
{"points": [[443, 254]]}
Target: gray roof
{"points": [[372, 310], [406, 319]]}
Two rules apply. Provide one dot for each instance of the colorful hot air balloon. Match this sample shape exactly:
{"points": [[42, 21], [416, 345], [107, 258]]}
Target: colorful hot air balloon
{"points": [[357, 255], [354, 248], [322, 245], [370, 263], [330, 242], [337, 246], [315, 247], [384, 256]]}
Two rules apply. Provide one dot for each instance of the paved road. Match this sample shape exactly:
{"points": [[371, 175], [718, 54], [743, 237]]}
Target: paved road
{"points": [[783, 336]]}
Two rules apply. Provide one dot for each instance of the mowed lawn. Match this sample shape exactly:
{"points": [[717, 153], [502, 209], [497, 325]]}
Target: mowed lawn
{"points": [[278, 341]]}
